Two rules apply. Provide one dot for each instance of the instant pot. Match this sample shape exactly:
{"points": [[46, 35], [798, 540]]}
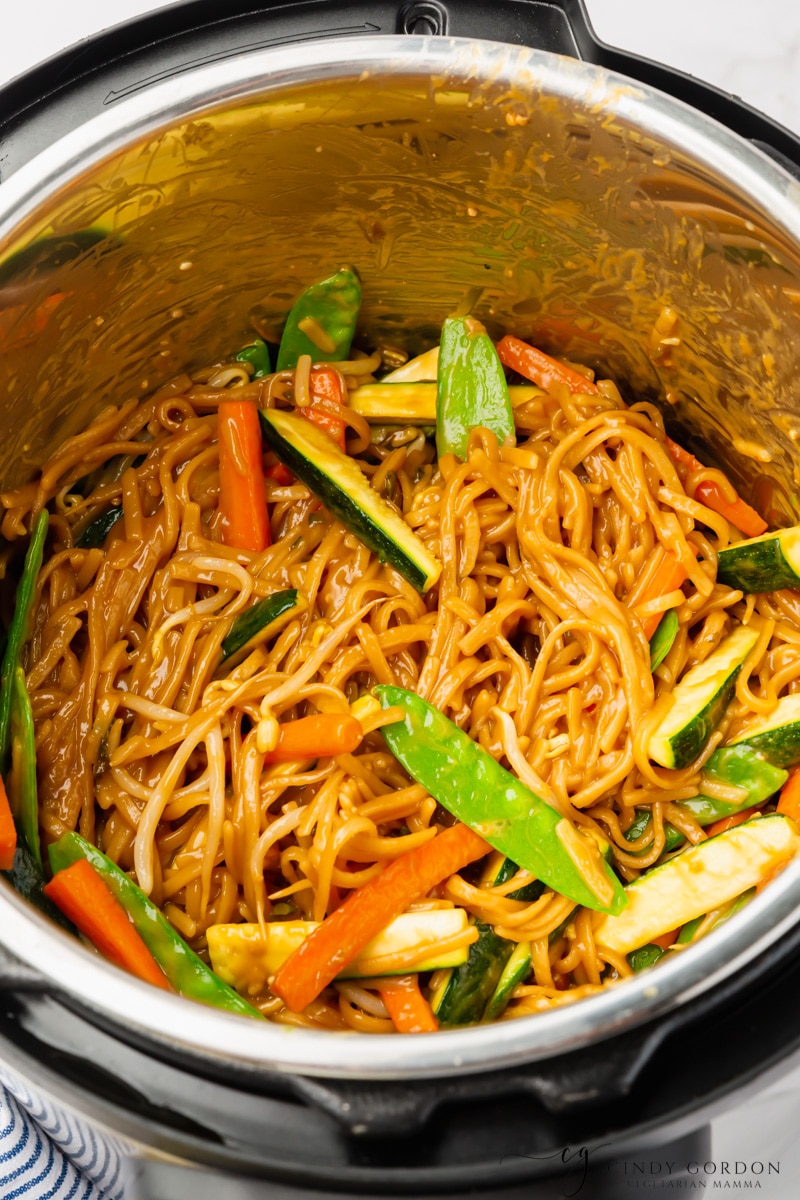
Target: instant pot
{"points": [[173, 183]]}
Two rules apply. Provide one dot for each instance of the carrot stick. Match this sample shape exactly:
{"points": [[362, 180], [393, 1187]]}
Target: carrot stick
{"points": [[82, 895], [666, 939], [8, 831], [406, 1005], [734, 819], [318, 736], [736, 511], [668, 575], [325, 384], [242, 490], [540, 368], [789, 802], [344, 934]]}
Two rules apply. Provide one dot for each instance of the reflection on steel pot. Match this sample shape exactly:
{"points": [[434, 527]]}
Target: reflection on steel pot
{"points": [[586, 210]]}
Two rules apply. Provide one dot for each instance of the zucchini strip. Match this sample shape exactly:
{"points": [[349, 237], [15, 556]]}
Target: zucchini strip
{"points": [[704, 877], [335, 478]]}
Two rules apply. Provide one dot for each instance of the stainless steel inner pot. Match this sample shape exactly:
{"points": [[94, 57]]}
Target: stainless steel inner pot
{"points": [[586, 209]]}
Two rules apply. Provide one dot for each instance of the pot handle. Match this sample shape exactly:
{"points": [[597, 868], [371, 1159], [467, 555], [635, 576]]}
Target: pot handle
{"points": [[82, 81], [564, 27], [565, 1086]]}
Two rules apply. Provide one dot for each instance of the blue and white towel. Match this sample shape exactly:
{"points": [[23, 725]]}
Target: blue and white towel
{"points": [[48, 1154], [31, 1166]]}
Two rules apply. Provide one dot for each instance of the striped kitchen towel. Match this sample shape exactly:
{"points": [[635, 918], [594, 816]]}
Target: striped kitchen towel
{"points": [[32, 1167]]}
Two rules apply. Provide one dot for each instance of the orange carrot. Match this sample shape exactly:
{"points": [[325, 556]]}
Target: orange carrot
{"points": [[789, 802], [326, 384], [82, 895], [540, 368], [666, 939], [242, 490], [729, 822], [343, 935], [8, 831], [668, 575], [736, 511], [406, 1005], [318, 736]]}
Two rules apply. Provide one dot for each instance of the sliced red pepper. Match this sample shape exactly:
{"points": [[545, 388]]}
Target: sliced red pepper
{"points": [[326, 384]]}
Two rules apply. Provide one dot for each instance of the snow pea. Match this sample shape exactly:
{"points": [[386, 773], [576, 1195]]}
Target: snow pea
{"points": [[332, 306], [662, 639], [187, 973], [20, 629], [645, 956], [257, 354], [471, 388], [741, 766], [471, 785]]}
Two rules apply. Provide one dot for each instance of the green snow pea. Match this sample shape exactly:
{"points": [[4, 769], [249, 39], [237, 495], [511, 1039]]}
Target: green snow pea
{"points": [[645, 956], [471, 388], [741, 766], [20, 630], [471, 785], [187, 973], [662, 639], [257, 354], [331, 305]]}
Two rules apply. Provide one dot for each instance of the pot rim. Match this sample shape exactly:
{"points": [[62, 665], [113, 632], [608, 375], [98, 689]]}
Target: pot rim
{"points": [[110, 995]]}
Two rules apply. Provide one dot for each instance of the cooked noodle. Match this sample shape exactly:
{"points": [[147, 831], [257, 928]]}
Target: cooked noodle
{"points": [[150, 752]]}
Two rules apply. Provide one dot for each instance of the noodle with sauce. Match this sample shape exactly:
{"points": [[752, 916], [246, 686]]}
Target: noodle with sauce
{"points": [[534, 642]]}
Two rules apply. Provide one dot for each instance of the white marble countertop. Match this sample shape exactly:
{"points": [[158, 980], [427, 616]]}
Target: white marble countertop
{"points": [[748, 47]]}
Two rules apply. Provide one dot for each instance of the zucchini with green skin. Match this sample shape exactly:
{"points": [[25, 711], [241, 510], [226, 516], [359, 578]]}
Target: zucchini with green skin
{"points": [[95, 533], [20, 629], [336, 479], [762, 564], [699, 702], [703, 877], [246, 956], [663, 638], [500, 808], [776, 737], [507, 870], [332, 307], [410, 403], [259, 622], [21, 780], [27, 878], [424, 367], [462, 997], [515, 972], [686, 935]]}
